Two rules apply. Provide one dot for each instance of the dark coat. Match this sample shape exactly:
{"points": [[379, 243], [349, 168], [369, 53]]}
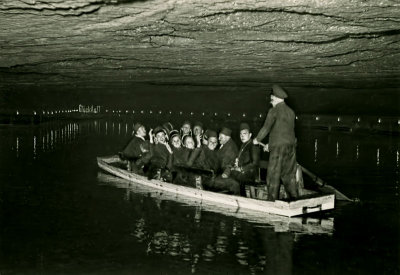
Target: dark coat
{"points": [[135, 148], [226, 156], [160, 156], [279, 124], [249, 156], [204, 158]]}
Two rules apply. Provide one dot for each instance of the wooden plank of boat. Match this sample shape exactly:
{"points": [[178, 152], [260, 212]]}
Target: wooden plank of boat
{"points": [[284, 208]]}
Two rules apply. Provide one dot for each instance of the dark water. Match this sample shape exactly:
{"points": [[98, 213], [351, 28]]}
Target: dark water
{"points": [[60, 215]]}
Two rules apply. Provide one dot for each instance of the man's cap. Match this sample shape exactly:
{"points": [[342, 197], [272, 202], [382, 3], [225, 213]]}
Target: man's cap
{"points": [[168, 126], [137, 126], [198, 123], [211, 134], [244, 126], [226, 131], [159, 129], [278, 91], [174, 133]]}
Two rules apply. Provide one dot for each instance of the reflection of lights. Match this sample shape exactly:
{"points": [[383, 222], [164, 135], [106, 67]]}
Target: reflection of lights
{"points": [[357, 152], [17, 113], [141, 111], [170, 112], [17, 147], [377, 156], [191, 113], [216, 114], [160, 112], [397, 158], [379, 120], [106, 127], [297, 117], [126, 111], [150, 111], [34, 113], [126, 128], [106, 111], [203, 115], [244, 115], [229, 114], [316, 118], [260, 115], [119, 128], [358, 119], [34, 147], [180, 112], [315, 150], [337, 149], [338, 119]]}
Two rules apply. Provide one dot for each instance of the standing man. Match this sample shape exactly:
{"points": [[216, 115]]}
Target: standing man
{"points": [[279, 124]]}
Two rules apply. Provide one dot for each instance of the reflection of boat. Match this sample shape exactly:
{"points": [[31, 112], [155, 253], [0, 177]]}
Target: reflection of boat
{"points": [[248, 206]]}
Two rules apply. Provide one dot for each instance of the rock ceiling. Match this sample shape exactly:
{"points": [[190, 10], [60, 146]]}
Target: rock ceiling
{"points": [[111, 46]]}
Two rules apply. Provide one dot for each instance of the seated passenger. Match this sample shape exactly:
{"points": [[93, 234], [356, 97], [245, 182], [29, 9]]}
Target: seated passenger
{"points": [[206, 157], [188, 142], [226, 155], [186, 129], [137, 151], [198, 133], [180, 158], [247, 162], [161, 156]]}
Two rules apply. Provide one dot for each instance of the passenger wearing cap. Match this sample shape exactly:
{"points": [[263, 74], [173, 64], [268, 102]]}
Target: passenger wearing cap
{"points": [[226, 158], [205, 157], [247, 161], [161, 157], [137, 152], [279, 125]]}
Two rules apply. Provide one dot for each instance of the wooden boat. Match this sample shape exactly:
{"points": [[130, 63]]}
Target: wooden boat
{"points": [[301, 225], [301, 206]]}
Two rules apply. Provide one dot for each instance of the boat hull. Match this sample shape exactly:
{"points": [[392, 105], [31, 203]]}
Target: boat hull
{"points": [[298, 207]]}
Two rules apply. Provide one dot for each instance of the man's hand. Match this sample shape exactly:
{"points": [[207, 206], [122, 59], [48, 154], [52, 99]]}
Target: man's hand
{"points": [[255, 141], [224, 176], [266, 148]]}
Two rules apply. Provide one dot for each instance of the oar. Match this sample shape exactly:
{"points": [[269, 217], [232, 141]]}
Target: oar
{"points": [[322, 184]]}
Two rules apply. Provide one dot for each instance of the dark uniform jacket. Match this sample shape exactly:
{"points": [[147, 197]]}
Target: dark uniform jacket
{"points": [[135, 148], [249, 156], [204, 158], [160, 156], [283, 116], [226, 156], [180, 156]]}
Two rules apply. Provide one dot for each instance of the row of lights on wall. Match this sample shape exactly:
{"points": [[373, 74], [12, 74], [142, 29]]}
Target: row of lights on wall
{"points": [[52, 112], [358, 119], [169, 112]]}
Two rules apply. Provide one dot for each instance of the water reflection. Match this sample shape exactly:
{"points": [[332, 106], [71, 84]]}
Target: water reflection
{"points": [[377, 156], [17, 147], [357, 152], [34, 147], [337, 149], [315, 149]]}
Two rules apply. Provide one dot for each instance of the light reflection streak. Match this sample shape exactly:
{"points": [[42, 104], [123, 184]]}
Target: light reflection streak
{"points": [[34, 147], [315, 150], [43, 138], [126, 128], [377, 157], [51, 140], [357, 152], [106, 127], [17, 147], [119, 128], [337, 149], [113, 127]]}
